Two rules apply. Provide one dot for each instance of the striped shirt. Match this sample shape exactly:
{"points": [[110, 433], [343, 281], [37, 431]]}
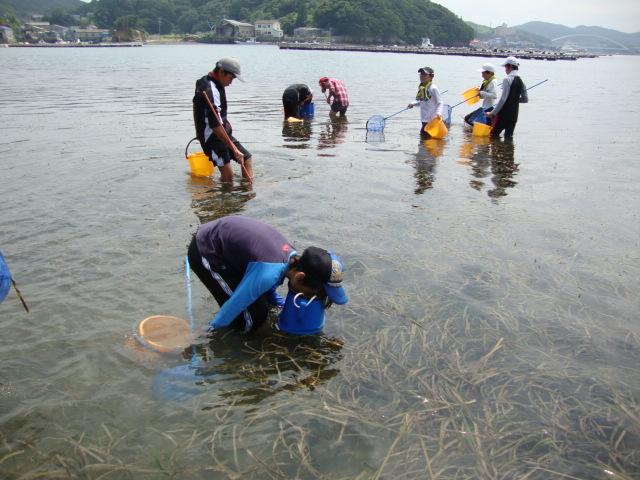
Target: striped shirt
{"points": [[338, 91]]}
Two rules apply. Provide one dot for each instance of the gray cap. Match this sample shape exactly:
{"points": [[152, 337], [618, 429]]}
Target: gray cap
{"points": [[230, 65], [427, 70]]}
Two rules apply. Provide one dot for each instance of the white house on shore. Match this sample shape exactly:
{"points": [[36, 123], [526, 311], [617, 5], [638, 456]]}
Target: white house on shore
{"points": [[269, 29]]}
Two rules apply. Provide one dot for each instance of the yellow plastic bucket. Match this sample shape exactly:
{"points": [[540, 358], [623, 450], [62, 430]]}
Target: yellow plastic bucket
{"points": [[471, 96], [200, 164], [436, 128], [481, 129]]}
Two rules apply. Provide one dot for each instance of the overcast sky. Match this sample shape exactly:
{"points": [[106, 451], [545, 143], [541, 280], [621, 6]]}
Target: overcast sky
{"points": [[623, 15]]}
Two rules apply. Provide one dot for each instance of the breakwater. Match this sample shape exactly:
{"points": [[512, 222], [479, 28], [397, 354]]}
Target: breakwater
{"points": [[75, 45], [464, 52]]}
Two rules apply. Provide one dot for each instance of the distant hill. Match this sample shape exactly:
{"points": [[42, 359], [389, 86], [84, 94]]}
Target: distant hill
{"points": [[483, 32], [552, 30], [45, 7]]}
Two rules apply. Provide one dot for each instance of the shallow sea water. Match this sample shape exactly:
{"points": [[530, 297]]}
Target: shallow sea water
{"points": [[492, 330]]}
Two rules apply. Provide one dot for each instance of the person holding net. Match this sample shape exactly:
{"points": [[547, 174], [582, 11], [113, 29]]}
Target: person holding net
{"points": [[428, 97]]}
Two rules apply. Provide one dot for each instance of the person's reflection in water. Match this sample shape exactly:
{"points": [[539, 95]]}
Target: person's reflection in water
{"points": [[503, 167], [476, 152], [296, 134], [211, 200], [251, 369], [487, 157], [333, 132], [425, 163]]}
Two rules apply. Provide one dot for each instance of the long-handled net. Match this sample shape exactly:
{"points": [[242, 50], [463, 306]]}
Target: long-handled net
{"points": [[378, 122]]}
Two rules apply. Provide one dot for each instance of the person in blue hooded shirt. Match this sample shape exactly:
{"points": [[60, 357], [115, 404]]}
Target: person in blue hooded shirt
{"points": [[242, 262]]}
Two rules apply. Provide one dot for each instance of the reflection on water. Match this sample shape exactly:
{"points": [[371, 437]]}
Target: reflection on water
{"points": [[211, 199], [333, 132], [425, 163], [489, 157], [248, 369], [296, 134]]}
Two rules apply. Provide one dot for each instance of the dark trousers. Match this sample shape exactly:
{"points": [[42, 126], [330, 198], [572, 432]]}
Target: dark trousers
{"points": [[501, 124], [221, 282]]}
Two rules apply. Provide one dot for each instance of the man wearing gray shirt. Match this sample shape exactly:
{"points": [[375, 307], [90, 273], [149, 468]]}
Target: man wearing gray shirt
{"points": [[514, 92]]}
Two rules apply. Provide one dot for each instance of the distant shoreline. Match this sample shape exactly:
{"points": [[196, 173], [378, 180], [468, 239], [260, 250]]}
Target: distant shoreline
{"points": [[75, 45]]}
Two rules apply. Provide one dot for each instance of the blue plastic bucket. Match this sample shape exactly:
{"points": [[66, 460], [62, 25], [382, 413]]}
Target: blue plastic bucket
{"points": [[307, 110]]}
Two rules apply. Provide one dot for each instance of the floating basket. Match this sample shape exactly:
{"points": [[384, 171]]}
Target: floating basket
{"points": [[199, 162], [163, 333], [481, 129], [436, 128]]}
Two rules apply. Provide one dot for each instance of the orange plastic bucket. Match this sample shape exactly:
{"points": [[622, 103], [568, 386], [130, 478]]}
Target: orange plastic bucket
{"points": [[481, 129], [436, 128]]}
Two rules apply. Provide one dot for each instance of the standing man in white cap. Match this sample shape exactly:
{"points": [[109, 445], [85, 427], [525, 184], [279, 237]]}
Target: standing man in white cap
{"points": [[213, 130], [428, 97], [514, 92], [487, 91]]}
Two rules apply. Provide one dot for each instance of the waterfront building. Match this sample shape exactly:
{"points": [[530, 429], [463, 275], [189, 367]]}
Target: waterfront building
{"points": [[269, 29], [235, 30]]}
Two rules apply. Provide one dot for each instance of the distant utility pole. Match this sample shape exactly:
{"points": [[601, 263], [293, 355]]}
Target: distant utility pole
{"points": [[159, 22]]}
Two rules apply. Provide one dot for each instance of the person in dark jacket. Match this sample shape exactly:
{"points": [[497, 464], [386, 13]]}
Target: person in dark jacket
{"points": [[294, 97], [213, 130], [243, 261], [505, 114]]}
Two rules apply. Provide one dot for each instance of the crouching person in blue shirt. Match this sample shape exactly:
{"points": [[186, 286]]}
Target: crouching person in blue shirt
{"points": [[242, 262]]}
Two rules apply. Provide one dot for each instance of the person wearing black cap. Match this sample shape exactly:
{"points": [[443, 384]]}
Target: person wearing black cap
{"points": [[294, 97], [428, 97], [514, 92], [213, 130], [242, 261]]}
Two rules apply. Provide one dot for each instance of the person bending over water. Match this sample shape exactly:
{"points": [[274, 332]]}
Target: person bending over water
{"points": [[242, 261]]}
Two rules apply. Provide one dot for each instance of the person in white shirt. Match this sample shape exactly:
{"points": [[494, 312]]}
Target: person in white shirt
{"points": [[428, 97], [487, 91], [514, 92]]}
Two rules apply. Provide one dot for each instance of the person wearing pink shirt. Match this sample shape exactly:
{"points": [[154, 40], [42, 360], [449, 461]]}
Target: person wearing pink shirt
{"points": [[338, 97]]}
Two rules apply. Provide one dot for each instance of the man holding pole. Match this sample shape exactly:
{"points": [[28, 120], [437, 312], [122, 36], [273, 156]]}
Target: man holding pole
{"points": [[514, 92], [213, 130]]}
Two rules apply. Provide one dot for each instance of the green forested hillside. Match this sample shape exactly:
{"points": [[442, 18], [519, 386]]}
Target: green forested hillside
{"points": [[361, 20], [45, 7]]}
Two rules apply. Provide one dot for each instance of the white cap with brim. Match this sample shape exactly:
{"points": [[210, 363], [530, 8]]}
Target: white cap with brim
{"points": [[230, 65], [487, 67], [510, 61]]}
